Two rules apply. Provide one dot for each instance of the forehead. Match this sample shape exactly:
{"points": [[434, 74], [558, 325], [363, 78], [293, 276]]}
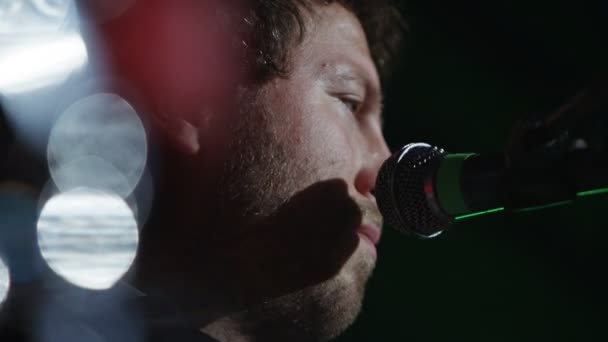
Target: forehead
{"points": [[333, 23], [335, 38]]}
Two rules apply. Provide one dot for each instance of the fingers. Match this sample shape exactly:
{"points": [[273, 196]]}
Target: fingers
{"points": [[308, 241]]}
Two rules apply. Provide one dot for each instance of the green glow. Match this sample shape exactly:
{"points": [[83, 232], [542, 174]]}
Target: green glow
{"points": [[544, 206], [592, 192], [478, 213]]}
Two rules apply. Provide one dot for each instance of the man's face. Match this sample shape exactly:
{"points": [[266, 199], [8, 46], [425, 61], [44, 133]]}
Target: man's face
{"points": [[298, 180], [294, 189]]}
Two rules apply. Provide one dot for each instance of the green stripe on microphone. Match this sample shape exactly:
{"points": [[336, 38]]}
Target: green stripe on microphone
{"points": [[447, 181]]}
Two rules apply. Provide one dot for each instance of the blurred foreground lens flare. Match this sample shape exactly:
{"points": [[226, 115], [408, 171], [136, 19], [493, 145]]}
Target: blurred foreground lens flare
{"points": [[40, 62], [4, 281], [91, 172], [53, 8], [88, 237], [19, 18], [98, 142], [10, 7]]}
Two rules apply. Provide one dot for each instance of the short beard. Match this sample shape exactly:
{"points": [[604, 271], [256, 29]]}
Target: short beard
{"points": [[260, 176], [256, 177], [317, 313]]}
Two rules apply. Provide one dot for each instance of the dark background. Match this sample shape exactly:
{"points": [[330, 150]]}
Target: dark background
{"points": [[470, 69]]}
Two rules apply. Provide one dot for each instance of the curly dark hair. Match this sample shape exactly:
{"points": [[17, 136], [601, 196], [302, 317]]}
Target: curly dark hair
{"points": [[275, 24]]}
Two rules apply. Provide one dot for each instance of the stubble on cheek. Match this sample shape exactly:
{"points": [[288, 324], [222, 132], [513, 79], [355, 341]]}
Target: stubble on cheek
{"points": [[273, 156], [257, 175], [319, 312], [276, 151]]}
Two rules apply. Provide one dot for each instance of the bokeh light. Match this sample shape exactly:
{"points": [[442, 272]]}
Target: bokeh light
{"points": [[88, 237], [19, 17], [91, 172], [10, 7], [40, 62], [98, 142], [4, 281], [41, 44], [52, 8], [142, 197]]}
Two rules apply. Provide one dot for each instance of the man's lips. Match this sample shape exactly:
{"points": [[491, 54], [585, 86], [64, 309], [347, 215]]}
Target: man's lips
{"points": [[371, 232], [370, 227]]}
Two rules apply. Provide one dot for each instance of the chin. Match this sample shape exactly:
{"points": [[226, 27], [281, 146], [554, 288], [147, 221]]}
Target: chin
{"points": [[344, 295], [320, 312]]}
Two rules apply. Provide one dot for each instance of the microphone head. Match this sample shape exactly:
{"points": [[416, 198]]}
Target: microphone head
{"points": [[404, 201]]}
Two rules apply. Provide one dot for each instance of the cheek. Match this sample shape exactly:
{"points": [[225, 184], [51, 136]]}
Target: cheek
{"points": [[319, 137], [325, 138]]}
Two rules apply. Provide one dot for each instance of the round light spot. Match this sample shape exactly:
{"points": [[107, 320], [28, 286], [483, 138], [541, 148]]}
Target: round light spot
{"points": [[88, 237], [142, 198], [105, 131], [23, 69], [91, 172], [52, 8], [48, 191], [4, 281], [10, 7], [19, 18]]}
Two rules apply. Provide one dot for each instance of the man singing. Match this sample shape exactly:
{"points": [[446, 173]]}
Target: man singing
{"points": [[264, 224]]}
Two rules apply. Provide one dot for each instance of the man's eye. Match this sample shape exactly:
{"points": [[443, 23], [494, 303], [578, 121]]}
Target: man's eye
{"points": [[350, 103]]}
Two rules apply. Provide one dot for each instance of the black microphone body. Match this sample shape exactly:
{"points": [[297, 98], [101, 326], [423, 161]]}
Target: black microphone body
{"points": [[422, 189]]}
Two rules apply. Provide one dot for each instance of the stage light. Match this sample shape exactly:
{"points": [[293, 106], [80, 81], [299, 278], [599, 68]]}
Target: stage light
{"points": [[98, 142], [40, 62], [53, 8], [41, 44], [88, 237], [19, 18], [10, 7]]}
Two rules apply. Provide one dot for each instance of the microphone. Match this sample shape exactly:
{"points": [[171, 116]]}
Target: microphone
{"points": [[422, 189]]}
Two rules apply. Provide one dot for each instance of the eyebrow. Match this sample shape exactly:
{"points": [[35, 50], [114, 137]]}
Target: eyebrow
{"points": [[349, 76], [352, 76], [346, 74]]}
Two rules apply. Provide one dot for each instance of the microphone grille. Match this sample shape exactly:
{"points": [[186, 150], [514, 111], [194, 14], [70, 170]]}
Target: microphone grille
{"points": [[400, 191]]}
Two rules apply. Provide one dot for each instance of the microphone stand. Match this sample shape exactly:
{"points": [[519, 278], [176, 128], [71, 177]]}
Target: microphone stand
{"points": [[560, 157]]}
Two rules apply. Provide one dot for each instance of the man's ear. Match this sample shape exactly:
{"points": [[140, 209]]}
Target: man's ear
{"points": [[178, 131]]}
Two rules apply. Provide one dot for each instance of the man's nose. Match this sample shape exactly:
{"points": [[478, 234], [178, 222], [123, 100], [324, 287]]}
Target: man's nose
{"points": [[377, 153]]}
